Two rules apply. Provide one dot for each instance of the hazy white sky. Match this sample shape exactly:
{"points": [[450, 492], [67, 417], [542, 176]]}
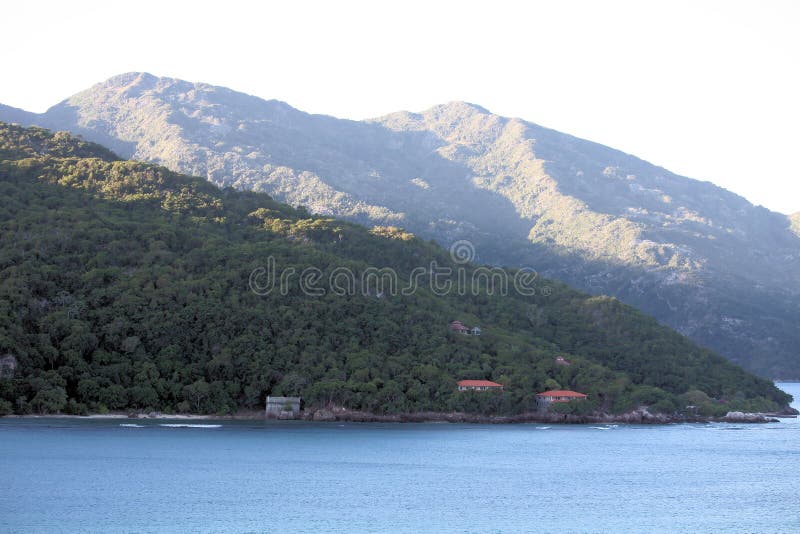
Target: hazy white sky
{"points": [[708, 89]]}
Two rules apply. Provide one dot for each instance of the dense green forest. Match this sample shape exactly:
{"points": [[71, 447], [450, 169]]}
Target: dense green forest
{"points": [[125, 286]]}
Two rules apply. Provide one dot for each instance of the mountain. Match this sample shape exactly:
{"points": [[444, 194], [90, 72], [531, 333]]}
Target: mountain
{"points": [[795, 222], [124, 285], [693, 255], [17, 115]]}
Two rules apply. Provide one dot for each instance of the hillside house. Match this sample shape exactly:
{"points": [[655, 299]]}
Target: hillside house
{"points": [[560, 360], [459, 327], [479, 385], [544, 399]]}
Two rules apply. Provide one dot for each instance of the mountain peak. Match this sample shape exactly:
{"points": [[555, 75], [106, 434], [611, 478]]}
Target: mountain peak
{"points": [[136, 84], [460, 104], [128, 78], [129, 81], [459, 107], [450, 112]]}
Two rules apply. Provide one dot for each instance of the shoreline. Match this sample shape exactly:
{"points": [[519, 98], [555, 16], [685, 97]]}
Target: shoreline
{"points": [[245, 416], [634, 417], [353, 416]]}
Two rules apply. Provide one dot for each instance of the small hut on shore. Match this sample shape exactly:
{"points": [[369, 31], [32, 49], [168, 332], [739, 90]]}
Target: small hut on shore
{"points": [[283, 407]]}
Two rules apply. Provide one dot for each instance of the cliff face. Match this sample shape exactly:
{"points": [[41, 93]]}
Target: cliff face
{"points": [[696, 256]]}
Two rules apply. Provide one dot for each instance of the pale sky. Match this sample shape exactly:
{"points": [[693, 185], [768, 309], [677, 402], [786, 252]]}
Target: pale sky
{"points": [[708, 89]]}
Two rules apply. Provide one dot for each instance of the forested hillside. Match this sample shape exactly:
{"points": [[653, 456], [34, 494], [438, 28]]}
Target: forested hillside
{"points": [[699, 258], [126, 286]]}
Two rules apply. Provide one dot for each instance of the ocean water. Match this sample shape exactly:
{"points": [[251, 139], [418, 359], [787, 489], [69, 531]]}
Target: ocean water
{"points": [[61, 475]]}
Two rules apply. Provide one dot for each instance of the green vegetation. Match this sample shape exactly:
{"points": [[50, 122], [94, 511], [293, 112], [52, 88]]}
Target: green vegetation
{"points": [[697, 257], [124, 286]]}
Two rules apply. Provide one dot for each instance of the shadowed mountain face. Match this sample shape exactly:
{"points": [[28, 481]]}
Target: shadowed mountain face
{"points": [[10, 114], [697, 257]]}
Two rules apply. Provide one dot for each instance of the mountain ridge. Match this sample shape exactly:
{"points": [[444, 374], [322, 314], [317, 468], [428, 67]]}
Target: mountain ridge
{"points": [[694, 255]]}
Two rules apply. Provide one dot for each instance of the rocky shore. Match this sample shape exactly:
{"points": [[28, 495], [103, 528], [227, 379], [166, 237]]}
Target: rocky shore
{"points": [[635, 417], [334, 414]]}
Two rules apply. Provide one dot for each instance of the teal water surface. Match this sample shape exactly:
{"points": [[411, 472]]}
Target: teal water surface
{"points": [[67, 475]]}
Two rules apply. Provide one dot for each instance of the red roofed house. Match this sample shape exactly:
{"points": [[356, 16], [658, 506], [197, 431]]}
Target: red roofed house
{"points": [[461, 328], [479, 385], [544, 399], [458, 326]]}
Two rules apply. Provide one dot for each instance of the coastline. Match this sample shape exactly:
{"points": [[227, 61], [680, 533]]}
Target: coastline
{"points": [[127, 416], [354, 416], [634, 417]]}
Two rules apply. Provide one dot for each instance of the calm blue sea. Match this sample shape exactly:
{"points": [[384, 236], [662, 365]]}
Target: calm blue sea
{"points": [[59, 475]]}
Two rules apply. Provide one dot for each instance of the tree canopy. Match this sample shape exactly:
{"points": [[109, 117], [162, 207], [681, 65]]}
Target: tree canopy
{"points": [[125, 286]]}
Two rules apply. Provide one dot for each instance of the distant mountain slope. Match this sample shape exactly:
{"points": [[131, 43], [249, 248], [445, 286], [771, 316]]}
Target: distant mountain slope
{"points": [[17, 115], [697, 257], [795, 221], [124, 285]]}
